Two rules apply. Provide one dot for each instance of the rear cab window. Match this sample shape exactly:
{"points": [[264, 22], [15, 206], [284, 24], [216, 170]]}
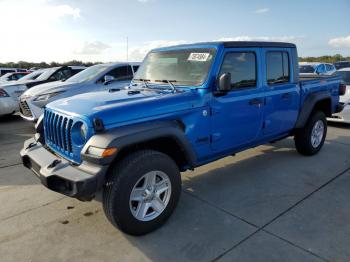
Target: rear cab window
{"points": [[277, 67]]}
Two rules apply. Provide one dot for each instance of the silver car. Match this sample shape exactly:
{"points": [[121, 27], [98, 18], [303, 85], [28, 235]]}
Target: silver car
{"points": [[94, 78]]}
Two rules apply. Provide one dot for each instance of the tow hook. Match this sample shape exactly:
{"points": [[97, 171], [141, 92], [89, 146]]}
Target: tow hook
{"points": [[54, 163], [31, 145]]}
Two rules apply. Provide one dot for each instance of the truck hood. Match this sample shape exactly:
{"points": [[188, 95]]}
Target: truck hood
{"points": [[127, 105], [49, 88]]}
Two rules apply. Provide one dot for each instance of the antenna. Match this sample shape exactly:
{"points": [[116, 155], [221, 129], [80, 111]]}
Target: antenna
{"points": [[127, 49]]}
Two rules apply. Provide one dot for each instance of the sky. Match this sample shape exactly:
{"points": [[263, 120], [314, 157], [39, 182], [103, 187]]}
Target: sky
{"points": [[90, 30]]}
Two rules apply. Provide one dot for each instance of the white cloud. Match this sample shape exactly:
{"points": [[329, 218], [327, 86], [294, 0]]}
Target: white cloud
{"points": [[42, 36], [144, 1], [340, 42], [262, 38], [92, 48], [262, 10]]}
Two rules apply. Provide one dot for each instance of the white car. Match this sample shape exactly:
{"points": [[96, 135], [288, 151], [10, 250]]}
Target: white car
{"points": [[9, 94], [344, 116], [316, 68], [94, 78]]}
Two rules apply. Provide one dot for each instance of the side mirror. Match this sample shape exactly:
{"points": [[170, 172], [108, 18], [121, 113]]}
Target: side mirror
{"points": [[225, 83], [107, 79]]}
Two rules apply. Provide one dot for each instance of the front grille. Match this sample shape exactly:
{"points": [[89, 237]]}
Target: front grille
{"points": [[58, 132], [24, 108]]}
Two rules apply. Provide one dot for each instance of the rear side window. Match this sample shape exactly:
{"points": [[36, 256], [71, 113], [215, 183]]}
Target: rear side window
{"points": [[329, 67], [242, 67], [277, 66]]}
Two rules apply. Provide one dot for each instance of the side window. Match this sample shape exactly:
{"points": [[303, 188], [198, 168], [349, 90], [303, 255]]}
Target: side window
{"points": [[75, 71], [68, 73], [121, 73], [277, 66], [242, 67], [135, 68], [59, 75], [329, 67]]}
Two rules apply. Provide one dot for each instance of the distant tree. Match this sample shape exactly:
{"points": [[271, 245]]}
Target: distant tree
{"points": [[325, 58]]}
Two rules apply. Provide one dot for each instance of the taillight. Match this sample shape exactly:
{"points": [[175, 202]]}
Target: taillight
{"points": [[3, 93], [342, 89]]}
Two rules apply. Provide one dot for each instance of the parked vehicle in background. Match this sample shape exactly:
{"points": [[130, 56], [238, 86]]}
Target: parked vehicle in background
{"points": [[342, 64], [9, 93], [15, 89], [344, 115], [316, 68], [94, 78], [14, 76], [4, 70], [187, 106]]}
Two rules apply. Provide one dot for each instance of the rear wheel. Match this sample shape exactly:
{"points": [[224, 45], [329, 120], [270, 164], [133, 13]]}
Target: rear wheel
{"points": [[141, 192], [310, 139]]}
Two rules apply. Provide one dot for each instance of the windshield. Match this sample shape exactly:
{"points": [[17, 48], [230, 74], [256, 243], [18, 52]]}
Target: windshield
{"points": [[306, 69], [345, 75], [182, 67], [88, 74], [47, 73], [32, 75]]}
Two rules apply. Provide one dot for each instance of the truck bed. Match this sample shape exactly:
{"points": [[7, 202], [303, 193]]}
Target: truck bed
{"points": [[316, 83]]}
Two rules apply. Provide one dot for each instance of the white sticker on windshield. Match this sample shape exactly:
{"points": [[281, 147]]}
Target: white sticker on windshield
{"points": [[198, 57]]}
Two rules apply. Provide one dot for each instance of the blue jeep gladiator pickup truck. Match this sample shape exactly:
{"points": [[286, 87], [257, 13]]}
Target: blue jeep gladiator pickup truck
{"points": [[188, 105]]}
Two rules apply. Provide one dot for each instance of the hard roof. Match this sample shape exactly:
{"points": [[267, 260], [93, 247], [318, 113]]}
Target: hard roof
{"points": [[256, 44], [229, 44]]}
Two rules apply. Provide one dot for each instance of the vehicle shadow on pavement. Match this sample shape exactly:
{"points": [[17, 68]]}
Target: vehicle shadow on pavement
{"points": [[256, 186], [339, 125]]}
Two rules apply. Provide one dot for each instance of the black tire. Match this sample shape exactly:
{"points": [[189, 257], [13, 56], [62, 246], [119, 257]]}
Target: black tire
{"points": [[303, 135], [121, 180]]}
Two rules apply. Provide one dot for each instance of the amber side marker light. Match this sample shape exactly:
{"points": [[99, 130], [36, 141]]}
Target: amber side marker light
{"points": [[102, 152], [109, 151]]}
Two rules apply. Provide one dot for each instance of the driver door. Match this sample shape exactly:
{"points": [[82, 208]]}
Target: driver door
{"points": [[237, 116]]}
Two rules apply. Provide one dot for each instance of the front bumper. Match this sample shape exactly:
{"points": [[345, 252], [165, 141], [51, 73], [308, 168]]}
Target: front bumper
{"points": [[29, 111], [8, 105], [59, 175]]}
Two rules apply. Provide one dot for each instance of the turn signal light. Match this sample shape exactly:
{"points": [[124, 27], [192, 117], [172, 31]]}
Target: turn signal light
{"points": [[109, 151], [102, 152]]}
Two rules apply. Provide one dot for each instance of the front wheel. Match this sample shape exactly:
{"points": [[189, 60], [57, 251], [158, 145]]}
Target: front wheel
{"points": [[141, 192], [310, 139]]}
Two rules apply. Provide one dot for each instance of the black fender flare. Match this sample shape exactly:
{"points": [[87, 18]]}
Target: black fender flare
{"points": [[123, 137], [309, 105]]}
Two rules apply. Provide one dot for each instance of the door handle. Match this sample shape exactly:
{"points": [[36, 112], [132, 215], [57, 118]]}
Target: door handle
{"points": [[255, 101], [286, 95]]}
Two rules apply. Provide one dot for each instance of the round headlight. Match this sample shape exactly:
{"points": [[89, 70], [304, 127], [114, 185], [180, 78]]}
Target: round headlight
{"points": [[79, 133], [83, 131]]}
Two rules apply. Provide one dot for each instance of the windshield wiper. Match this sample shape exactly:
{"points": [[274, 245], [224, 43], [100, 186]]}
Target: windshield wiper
{"points": [[169, 82], [144, 81]]}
